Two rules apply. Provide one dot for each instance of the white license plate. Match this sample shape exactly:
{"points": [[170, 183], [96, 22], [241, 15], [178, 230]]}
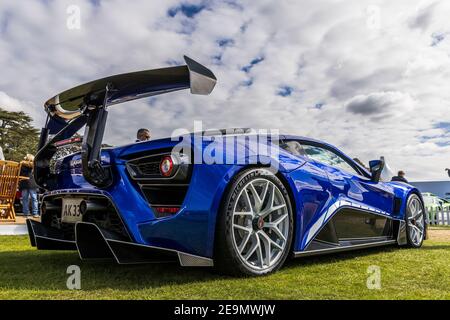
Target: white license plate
{"points": [[71, 210]]}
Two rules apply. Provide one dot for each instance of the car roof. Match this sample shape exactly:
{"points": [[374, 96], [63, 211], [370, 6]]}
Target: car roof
{"points": [[307, 139]]}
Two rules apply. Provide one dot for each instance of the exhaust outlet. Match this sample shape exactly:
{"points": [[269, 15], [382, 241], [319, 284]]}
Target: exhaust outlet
{"points": [[50, 207], [90, 206]]}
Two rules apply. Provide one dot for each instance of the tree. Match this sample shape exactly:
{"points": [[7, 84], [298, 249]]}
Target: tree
{"points": [[17, 136]]}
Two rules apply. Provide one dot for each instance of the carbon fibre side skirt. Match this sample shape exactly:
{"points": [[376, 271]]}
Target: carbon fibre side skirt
{"points": [[344, 248], [327, 238]]}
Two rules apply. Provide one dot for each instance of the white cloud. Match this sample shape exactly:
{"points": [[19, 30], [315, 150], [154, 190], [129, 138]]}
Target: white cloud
{"points": [[381, 104], [11, 104], [336, 58]]}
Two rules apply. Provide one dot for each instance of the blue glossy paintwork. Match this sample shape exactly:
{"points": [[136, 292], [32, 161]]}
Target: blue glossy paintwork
{"points": [[314, 189]]}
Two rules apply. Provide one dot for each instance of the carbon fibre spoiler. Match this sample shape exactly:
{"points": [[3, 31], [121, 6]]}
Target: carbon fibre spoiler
{"points": [[87, 104], [130, 86]]}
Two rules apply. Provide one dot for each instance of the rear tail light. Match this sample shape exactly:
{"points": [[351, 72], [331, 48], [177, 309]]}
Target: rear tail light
{"points": [[166, 166], [166, 211], [163, 179], [66, 142]]}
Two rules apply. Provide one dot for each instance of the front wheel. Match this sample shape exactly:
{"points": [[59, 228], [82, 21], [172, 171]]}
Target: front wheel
{"points": [[255, 226], [415, 221]]}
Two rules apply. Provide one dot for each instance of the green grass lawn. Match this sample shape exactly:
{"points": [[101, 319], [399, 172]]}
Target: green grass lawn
{"points": [[26, 273]]}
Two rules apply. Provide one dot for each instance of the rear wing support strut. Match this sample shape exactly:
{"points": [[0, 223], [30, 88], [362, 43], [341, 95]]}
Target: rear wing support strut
{"points": [[93, 171], [94, 118], [87, 105]]}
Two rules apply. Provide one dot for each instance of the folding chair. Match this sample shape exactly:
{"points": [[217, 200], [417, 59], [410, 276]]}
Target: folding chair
{"points": [[9, 179]]}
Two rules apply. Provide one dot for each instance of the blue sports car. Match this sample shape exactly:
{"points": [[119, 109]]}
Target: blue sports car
{"points": [[214, 198]]}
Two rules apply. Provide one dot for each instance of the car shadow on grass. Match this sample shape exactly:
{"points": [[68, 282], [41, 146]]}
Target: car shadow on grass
{"points": [[334, 257], [47, 270], [436, 247], [347, 255]]}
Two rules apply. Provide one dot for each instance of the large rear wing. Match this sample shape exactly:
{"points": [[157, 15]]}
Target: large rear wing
{"points": [[87, 104], [130, 86]]}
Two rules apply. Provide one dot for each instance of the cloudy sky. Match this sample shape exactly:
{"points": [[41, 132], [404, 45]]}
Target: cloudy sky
{"points": [[371, 77]]}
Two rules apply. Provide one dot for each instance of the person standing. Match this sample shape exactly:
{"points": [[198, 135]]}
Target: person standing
{"points": [[400, 177], [29, 188]]}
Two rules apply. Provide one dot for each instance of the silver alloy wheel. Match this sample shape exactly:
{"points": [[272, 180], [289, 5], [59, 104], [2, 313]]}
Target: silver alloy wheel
{"points": [[260, 224], [415, 221]]}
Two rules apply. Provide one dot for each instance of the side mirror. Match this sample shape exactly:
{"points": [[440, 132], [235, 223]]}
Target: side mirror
{"points": [[376, 168]]}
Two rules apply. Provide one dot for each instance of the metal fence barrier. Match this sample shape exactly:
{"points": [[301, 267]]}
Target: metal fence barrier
{"points": [[438, 216]]}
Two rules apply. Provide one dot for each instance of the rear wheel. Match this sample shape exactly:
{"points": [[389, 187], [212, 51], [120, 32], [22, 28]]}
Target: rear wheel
{"points": [[255, 226], [415, 221]]}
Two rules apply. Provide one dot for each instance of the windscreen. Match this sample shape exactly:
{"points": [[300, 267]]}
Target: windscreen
{"points": [[387, 173]]}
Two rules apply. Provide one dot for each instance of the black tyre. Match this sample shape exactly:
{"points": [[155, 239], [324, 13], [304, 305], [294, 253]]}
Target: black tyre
{"points": [[255, 225], [415, 222]]}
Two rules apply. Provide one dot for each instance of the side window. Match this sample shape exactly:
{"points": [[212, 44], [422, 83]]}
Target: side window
{"points": [[293, 147], [328, 157]]}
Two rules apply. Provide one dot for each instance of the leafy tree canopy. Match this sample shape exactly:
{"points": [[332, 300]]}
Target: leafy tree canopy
{"points": [[17, 136]]}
